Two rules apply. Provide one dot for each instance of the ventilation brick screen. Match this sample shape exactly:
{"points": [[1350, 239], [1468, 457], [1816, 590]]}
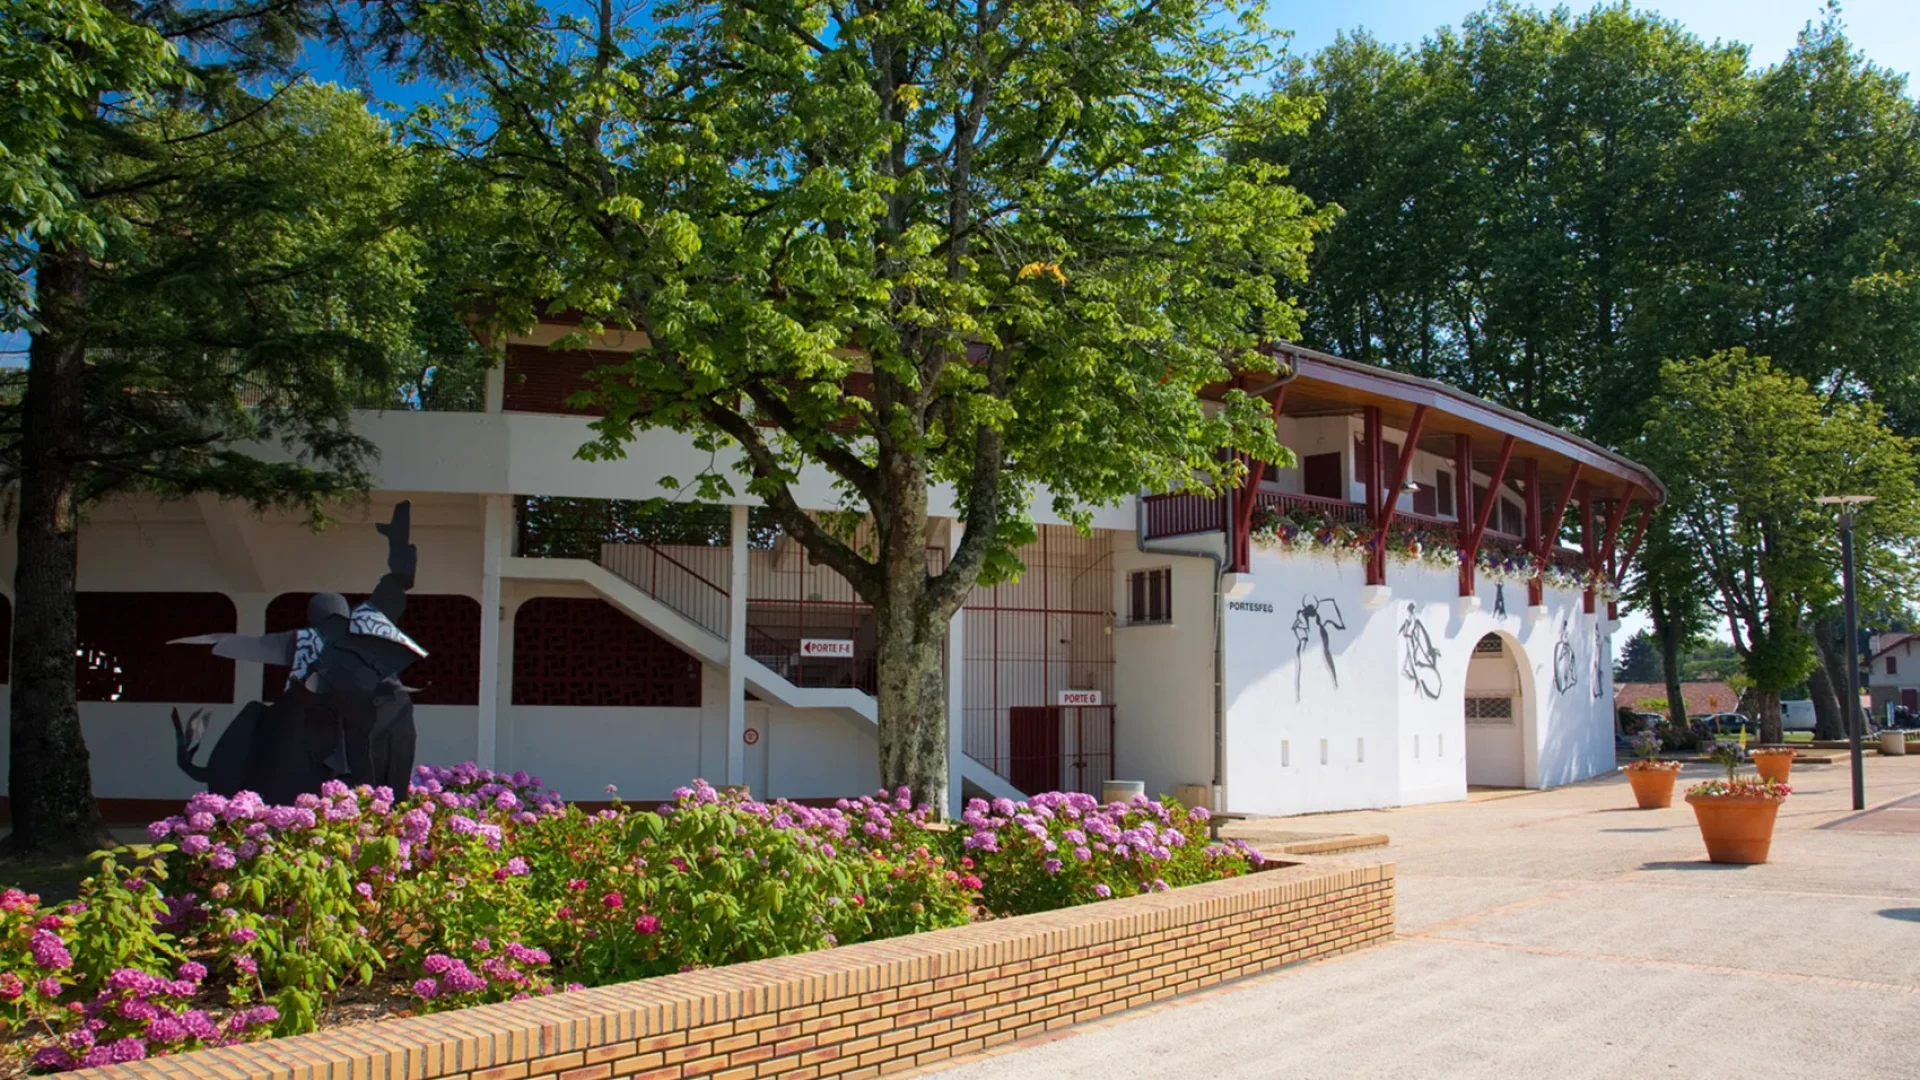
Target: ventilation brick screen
{"points": [[585, 652], [123, 654]]}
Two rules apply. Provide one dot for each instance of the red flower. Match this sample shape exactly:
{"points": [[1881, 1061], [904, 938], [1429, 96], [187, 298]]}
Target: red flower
{"points": [[613, 901]]}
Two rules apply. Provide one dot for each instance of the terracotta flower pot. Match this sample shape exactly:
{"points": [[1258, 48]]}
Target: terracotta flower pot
{"points": [[1652, 788], [1737, 828], [1775, 767]]}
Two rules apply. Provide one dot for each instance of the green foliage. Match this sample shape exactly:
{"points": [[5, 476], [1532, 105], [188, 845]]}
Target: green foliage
{"points": [[58, 59], [1640, 662], [994, 248], [1746, 449]]}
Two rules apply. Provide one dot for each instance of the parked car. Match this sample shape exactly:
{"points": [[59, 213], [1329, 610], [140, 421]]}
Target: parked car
{"points": [[1796, 716], [1730, 723]]}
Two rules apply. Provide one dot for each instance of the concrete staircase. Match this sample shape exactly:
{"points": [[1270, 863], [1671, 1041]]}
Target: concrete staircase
{"points": [[709, 647]]}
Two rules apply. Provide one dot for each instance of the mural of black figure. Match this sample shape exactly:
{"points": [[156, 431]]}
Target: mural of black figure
{"points": [[1422, 664], [1566, 673], [344, 714], [1312, 616], [1500, 600], [1593, 670]]}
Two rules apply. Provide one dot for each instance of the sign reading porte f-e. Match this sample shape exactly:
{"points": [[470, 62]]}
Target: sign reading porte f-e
{"points": [[825, 647], [1079, 697]]}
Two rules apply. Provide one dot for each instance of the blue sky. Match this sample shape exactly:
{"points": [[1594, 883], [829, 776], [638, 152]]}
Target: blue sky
{"points": [[1887, 30]]}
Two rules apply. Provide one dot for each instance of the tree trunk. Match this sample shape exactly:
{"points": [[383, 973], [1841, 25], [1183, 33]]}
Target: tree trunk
{"points": [[50, 783], [1667, 631], [1767, 704], [1826, 703], [913, 706], [1830, 647]]}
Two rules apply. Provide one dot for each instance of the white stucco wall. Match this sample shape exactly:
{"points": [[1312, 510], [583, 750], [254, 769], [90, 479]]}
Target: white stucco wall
{"points": [[1163, 675], [1298, 740]]}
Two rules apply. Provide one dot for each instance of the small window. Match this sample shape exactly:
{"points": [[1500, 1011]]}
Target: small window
{"points": [[1425, 500], [1488, 711], [1513, 518], [1150, 596], [1489, 646], [1443, 492], [1892, 667]]}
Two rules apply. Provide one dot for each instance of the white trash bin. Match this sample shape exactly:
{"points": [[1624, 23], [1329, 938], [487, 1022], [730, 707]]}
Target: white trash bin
{"points": [[1893, 743]]}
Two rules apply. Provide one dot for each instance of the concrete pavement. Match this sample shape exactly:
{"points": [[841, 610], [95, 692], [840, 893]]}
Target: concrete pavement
{"points": [[1563, 934]]}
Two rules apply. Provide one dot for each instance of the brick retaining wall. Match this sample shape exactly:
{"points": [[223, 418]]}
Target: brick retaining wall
{"points": [[857, 1011]]}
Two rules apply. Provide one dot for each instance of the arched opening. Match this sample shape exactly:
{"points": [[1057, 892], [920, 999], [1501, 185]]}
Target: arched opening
{"points": [[1496, 733]]}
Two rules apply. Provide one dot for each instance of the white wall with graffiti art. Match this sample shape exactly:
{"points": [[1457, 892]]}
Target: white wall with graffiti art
{"points": [[1344, 697]]}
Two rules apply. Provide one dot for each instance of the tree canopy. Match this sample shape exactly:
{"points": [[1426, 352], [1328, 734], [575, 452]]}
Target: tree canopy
{"points": [[1746, 449], [216, 260], [988, 248]]}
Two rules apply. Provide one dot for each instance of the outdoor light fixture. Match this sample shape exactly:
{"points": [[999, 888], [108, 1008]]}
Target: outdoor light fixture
{"points": [[1846, 503], [1411, 487]]}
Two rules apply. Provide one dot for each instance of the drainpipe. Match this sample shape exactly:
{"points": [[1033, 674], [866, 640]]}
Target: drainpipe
{"points": [[1219, 626], [1145, 547]]}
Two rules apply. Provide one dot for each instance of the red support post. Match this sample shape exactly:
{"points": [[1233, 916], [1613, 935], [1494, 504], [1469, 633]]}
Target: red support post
{"points": [[1247, 499], [1485, 514], [1550, 536], [1588, 543], [1463, 508], [1390, 499], [1370, 424], [1535, 595]]}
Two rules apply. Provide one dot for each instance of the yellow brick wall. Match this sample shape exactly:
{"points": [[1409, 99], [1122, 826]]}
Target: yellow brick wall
{"points": [[853, 1012]]}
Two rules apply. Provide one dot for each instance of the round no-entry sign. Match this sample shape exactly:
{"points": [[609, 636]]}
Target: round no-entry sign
{"points": [[750, 736]]}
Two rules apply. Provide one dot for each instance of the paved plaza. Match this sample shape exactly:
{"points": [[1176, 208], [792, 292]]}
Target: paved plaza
{"points": [[1562, 934]]}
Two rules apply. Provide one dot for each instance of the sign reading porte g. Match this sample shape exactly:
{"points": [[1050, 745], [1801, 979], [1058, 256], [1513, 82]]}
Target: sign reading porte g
{"points": [[1079, 697]]}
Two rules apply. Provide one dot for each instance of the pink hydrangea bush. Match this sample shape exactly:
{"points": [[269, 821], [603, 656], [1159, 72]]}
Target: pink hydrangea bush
{"points": [[242, 919], [1057, 850]]}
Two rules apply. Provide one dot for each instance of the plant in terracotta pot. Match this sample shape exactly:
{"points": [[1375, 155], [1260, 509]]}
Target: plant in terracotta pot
{"points": [[1652, 779], [1736, 814], [1773, 763]]}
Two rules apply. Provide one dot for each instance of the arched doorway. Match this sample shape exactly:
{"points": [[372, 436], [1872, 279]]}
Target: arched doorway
{"points": [[1496, 744]]}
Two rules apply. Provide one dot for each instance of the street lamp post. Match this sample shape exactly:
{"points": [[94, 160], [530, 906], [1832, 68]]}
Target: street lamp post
{"points": [[1846, 503]]}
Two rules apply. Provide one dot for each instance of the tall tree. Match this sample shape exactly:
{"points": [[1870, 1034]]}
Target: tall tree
{"points": [[1640, 660], [211, 272], [1008, 226], [1746, 449]]}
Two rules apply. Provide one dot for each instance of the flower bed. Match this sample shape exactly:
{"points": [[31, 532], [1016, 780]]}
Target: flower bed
{"points": [[243, 920]]}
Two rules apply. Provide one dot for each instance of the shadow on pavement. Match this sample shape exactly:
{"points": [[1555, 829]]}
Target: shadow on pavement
{"points": [[1650, 828], [1701, 864], [1902, 914]]}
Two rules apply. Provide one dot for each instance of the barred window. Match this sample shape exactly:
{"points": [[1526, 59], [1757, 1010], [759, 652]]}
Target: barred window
{"points": [[1489, 646], [1150, 596], [1489, 711]]}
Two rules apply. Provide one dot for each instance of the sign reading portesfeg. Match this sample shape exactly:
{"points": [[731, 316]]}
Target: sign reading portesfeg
{"points": [[1079, 697], [825, 647]]}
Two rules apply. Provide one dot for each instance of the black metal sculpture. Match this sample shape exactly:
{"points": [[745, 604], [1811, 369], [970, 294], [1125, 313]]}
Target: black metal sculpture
{"points": [[1500, 600], [343, 715], [1422, 664], [1312, 616]]}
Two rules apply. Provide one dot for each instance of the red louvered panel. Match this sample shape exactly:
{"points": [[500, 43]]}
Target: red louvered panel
{"points": [[585, 652], [446, 625]]}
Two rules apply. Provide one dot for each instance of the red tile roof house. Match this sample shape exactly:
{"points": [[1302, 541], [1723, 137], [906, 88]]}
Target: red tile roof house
{"points": [[1703, 698]]}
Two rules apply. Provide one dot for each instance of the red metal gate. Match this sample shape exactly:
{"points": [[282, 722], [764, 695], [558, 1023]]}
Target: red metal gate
{"points": [[1059, 748]]}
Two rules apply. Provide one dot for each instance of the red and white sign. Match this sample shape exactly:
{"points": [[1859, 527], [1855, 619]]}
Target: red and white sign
{"points": [[825, 647], [1079, 697], [750, 736]]}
